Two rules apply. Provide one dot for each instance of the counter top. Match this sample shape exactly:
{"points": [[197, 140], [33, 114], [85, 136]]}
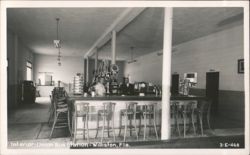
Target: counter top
{"points": [[187, 97], [135, 98]]}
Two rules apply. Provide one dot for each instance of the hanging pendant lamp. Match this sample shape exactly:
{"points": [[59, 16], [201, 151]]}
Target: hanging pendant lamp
{"points": [[57, 42]]}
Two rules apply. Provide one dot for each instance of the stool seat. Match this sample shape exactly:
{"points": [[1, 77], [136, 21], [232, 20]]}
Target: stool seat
{"points": [[148, 112], [129, 112], [81, 114], [103, 112]]}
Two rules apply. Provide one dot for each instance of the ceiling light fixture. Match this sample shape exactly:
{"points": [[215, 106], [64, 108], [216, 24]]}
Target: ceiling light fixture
{"points": [[161, 52], [57, 42]]}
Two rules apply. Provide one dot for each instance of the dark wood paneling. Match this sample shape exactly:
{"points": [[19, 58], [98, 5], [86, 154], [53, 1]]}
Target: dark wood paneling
{"points": [[231, 103], [197, 91]]}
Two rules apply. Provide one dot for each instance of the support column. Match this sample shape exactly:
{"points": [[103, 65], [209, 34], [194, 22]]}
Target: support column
{"points": [[84, 75], [96, 59], [87, 70], [166, 75], [84, 70], [16, 80], [113, 54]]}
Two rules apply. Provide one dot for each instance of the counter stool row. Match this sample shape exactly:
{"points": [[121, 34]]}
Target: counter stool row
{"points": [[128, 116], [190, 111], [134, 112], [131, 112]]}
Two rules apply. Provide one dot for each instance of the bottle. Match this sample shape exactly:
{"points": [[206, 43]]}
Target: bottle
{"points": [[107, 86]]}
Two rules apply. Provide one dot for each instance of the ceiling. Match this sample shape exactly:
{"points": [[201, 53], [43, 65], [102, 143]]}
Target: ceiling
{"points": [[79, 28]]}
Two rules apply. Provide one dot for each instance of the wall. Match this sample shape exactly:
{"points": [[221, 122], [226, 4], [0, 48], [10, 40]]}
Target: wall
{"points": [[12, 64], [45, 91], [148, 68], [17, 55], [65, 73], [24, 55], [219, 51]]}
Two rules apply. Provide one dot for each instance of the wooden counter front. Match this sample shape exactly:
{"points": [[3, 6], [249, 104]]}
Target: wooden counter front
{"points": [[96, 103]]}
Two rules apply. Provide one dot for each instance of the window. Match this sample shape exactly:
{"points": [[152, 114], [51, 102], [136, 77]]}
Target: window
{"points": [[28, 70]]}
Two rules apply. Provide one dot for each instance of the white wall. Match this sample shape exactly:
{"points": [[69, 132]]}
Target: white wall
{"points": [[65, 73], [148, 68], [219, 51]]}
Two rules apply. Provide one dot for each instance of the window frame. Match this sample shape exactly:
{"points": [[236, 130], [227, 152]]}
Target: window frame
{"points": [[29, 65]]}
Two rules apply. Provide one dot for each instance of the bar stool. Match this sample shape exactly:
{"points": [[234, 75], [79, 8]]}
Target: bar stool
{"points": [[204, 108], [187, 111], [174, 114], [107, 114], [129, 113], [149, 111], [61, 116], [81, 109]]}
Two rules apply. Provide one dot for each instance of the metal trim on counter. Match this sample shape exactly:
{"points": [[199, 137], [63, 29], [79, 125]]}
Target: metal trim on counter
{"points": [[136, 98], [187, 97], [122, 98]]}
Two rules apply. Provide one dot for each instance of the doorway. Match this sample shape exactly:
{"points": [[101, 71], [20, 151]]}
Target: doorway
{"points": [[212, 90]]}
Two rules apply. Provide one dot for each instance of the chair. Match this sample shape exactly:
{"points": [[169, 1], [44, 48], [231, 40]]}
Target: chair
{"points": [[204, 108], [80, 110], [59, 94], [187, 111], [61, 114], [129, 113], [149, 111], [107, 114], [60, 91]]}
